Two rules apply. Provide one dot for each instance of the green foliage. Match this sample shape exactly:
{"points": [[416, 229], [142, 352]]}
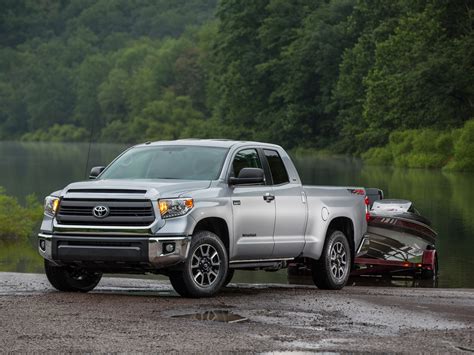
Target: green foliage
{"points": [[415, 81], [378, 156], [464, 149], [427, 148], [420, 148], [412, 67], [89, 63], [18, 222], [58, 133], [169, 118]]}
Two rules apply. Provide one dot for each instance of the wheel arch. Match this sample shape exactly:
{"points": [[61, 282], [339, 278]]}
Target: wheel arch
{"points": [[346, 226], [216, 225]]}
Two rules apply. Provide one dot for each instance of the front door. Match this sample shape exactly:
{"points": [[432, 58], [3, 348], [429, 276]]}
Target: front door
{"points": [[254, 216]]}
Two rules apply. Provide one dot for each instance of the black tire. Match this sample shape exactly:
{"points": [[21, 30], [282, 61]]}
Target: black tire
{"points": [[332, 273], [228, 278], [205, 270], [71, 280], [431, 274]]}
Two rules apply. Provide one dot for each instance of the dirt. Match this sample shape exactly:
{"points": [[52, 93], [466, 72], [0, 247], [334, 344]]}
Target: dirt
{"points": [[135, 315]]}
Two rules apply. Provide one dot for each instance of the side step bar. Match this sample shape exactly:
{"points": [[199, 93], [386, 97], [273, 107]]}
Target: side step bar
{"points": [[265, 264]]}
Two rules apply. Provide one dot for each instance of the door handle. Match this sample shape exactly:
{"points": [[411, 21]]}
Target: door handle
{"points": [[268, 197]]}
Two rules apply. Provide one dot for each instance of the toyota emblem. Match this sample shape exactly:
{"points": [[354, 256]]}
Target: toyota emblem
{"points": [[100, 211]]}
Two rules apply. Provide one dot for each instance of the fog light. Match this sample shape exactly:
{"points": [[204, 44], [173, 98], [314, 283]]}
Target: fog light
{"points": [[42, 244], [169, 247]]}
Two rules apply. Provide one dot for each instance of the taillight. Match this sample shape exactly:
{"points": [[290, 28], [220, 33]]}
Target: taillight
{"points": [[366, 201], [367, 211]]}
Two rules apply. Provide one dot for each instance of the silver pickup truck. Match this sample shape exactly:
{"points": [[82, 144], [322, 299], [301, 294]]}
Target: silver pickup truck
{"points": [[196, 210]]}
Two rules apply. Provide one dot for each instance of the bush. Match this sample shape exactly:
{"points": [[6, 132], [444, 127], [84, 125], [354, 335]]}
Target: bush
{"points": [[378, 156], [58, 133], [17, 222], [427, 148], [118, 131], [417, 148], [463, 149]]}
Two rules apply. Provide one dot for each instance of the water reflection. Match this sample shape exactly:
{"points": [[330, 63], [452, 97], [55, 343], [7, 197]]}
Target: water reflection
{"points": [[444, 198], [216, 316], [41, 168], [20, 257]]}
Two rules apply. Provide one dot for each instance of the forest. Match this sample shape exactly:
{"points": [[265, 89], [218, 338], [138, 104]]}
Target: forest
{"points": [[390, 81]]}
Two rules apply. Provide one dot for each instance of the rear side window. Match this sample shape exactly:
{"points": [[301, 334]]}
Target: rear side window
{"points": [[279, 173], [247, 158]]}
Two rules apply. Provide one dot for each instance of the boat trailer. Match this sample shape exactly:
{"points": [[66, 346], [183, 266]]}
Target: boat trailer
{"points": [[425, 269]]}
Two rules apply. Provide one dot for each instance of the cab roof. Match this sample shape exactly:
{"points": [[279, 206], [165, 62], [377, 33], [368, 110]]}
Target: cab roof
{"points": [[221, 143]]}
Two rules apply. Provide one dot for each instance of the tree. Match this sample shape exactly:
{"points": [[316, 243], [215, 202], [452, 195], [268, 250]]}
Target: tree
{"points": [[422, 75], [239, 88]]}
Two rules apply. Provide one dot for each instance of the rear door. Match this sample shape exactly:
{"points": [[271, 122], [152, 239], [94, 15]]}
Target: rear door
{"points": [[254, 216], [290, 217]]}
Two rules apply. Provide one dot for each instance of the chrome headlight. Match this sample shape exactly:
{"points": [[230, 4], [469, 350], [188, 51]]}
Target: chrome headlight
{"points": [[175, 207], [51, 205]]}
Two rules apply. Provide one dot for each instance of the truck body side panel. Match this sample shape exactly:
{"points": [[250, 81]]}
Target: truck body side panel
{"points": [[324, 205]]}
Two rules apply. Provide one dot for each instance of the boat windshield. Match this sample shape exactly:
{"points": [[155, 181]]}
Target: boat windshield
{"points": [[413, 210], [168, 162]]}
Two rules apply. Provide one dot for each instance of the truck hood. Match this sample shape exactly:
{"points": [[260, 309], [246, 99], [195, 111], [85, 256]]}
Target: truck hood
{"points": [[122, 188]]}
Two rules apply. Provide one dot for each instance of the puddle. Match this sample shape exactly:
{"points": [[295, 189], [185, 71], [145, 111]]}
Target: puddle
{"points": [[216, 316]]}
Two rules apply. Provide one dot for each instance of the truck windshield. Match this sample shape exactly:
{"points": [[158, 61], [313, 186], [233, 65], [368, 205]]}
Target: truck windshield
{"points": [[168, 162]]}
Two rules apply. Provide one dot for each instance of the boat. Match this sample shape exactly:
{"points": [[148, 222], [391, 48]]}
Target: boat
{"points": [[399, 240], [396, 231]]}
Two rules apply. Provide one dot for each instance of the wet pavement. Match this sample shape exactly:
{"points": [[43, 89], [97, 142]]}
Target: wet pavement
{"points": [[125, 315]]}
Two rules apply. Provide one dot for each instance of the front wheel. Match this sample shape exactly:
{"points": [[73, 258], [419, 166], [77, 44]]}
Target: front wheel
{"points": [[204, 271], [71, 279], [332, 270], [228, 278]]}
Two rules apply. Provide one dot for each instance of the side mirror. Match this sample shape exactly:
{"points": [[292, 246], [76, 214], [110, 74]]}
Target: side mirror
{"points": [[248, 176], [95, 171]]}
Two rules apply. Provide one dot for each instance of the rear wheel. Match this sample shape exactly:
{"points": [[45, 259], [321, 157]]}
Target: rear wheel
{"points": [[205, 270], [69, 279], [332, 270]]}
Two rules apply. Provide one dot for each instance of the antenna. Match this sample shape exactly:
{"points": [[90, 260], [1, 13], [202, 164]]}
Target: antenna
{"points": [[90, 145]]}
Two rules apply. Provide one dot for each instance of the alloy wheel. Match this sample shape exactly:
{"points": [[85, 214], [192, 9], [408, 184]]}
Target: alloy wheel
{"points": [[338, 261], [205, 265]]}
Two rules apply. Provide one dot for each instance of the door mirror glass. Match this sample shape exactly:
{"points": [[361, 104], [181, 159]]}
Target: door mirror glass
{"points": [[95, 171], [248, 176]]}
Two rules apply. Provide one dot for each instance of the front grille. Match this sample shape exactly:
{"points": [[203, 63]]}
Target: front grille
{"points": [[121, 212], [107, 191]]}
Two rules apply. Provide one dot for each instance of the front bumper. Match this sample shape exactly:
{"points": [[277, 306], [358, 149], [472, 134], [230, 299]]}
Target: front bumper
{"points": [[114, 252]]}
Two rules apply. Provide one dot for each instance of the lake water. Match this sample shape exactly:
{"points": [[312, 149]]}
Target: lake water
{"points": [[447, 199]]}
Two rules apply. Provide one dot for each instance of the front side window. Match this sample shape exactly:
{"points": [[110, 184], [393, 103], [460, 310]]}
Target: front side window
{"points": [[168, 162], [247, 158], [277, 168]]}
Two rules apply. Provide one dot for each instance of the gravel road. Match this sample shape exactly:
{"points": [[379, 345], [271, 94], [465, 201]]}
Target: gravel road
{"points": [[136, 315]]}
